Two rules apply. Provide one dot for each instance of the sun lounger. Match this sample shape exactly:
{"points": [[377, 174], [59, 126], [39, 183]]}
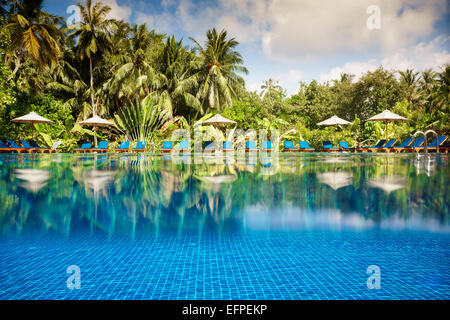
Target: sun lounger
{"points": [[410, 148], [289, 146], [304, 147], [267, 146], [27, 146], [49, 150], [328, 146], [210, 146], [250, 146], [386, 147], [227, 146], [368, 149], [343, 146], [84, 147], [183, 146], [167, 146], [4, 148], [124, 147], [15, 147], [102, 147], [403, 145], [439, 141], [140, 146]]}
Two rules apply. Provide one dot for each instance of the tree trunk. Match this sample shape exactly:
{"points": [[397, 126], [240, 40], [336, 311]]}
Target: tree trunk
{"points": [[92, 99], [92, 87], [16, 68]]}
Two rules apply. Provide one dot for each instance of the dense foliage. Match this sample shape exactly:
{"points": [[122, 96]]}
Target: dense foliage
{"points": [[151, 84]]}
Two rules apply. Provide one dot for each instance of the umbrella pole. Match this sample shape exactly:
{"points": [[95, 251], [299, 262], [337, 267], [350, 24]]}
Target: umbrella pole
{"points": [[386, 130], [334, 133], [95, 136]]}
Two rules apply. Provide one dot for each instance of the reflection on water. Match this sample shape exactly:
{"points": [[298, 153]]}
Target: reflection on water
{"points": [[150, 194]]}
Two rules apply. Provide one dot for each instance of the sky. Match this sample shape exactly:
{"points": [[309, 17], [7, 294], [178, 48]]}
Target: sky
{"points": [[301, 40]]}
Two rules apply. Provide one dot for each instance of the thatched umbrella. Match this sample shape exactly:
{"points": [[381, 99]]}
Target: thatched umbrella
{"points": [[389, 183], [334, 121], [387, 116], [35, 179], [32, 117], [218, 120], [336, 180], [96, 121]]}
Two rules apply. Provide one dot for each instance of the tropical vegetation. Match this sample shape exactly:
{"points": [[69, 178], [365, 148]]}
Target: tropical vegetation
{"points": [[150, 84]]}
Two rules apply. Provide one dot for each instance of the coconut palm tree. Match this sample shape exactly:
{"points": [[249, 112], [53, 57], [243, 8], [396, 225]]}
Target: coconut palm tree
{"points": [[133, 72], [93, 36], [410, 80], [218, 68], [270, 86], [178, 81], [33, 34], [441, 91]]}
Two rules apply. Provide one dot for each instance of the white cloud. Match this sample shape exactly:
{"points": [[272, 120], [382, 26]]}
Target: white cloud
{"points": [[421, 56], [120, 12], [289, 30], [323, 28]]}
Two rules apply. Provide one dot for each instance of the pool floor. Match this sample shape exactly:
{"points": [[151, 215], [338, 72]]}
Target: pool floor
{"points": [[276, 265]]}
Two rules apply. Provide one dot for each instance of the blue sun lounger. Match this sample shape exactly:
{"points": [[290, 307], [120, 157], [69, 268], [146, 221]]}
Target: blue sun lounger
{"points": [[84, 147], [102, 147], [124, 146], [386, 147], [15, 147], [140, 146], [27, 146], [416, 144], [167, 146], [304, 146], [343, 146], [35, 145], [328, 146], [289, 146], [210, 146], [402, 146], [439, 141], [5, 148], [227, 146], [183, 146], [367, 149], [250, 146], [267, 146]]}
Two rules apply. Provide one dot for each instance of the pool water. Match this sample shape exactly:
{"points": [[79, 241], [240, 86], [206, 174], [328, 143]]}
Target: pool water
{"points": [[292, 226]]}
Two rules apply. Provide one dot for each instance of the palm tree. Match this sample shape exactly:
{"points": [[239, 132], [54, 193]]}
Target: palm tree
{"points": [[65, 81], [441, 91], [178, 82], [410, 79], [93, 36], [428, 79], [270, 86], [347, 77], [33, 34], [218, 65], [134, 75]]}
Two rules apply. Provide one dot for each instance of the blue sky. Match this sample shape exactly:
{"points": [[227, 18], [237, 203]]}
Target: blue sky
{"points": [[301, 40]]}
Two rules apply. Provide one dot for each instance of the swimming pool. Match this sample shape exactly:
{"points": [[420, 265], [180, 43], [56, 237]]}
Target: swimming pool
{"points": [[303, 226]]}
